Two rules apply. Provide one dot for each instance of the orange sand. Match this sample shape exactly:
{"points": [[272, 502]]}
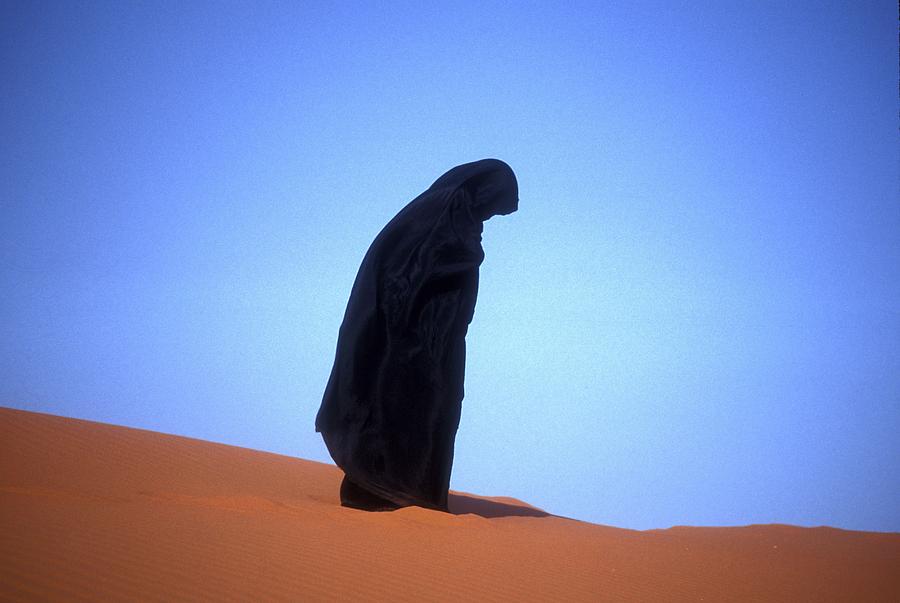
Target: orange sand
{"points": [[98, 512]]}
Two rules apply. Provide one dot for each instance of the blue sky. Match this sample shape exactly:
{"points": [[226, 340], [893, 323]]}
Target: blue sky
{"points": [[692, 319]]}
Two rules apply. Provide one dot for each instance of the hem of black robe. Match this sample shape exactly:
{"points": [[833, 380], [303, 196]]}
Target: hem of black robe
{"points": [[394, 497], [356, 497]]}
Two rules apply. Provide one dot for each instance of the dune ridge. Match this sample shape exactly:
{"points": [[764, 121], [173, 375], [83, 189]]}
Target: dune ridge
{"points": [[92, 511]]}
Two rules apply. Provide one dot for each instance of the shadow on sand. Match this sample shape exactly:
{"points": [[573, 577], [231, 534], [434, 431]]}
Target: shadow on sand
{"points": [[461, 505]]}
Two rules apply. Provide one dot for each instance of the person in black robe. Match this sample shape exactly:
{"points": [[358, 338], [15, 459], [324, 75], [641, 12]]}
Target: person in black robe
{"points": [[392, 404]]}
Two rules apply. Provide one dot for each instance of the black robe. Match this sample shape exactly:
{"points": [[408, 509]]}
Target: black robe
{"points": [[392, 405]]}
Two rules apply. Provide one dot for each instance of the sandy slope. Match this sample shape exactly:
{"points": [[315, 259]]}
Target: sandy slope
{"points": [[94, 511]]}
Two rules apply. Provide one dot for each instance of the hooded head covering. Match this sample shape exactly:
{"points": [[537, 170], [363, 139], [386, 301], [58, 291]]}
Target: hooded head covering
{"points": [[491, 184], [393, 400]]}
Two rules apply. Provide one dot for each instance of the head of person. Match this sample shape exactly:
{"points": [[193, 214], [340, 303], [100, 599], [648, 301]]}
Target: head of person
{"points": [[491, 184]]}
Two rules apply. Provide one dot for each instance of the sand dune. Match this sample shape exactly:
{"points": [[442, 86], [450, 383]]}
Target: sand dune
{"points": [[98, 512]]}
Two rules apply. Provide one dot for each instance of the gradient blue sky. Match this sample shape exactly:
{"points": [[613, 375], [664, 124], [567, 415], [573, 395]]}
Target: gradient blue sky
{"points": [[692, 319]]}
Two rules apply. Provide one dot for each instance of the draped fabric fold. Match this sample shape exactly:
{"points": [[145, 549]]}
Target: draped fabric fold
{"points": [[392, 405]]}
